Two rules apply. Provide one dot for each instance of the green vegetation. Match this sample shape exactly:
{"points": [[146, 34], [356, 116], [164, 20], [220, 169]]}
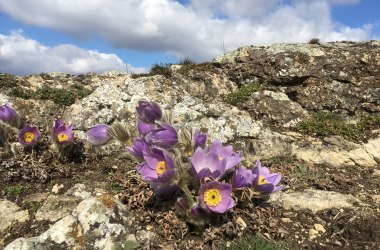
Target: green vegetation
{"points": [[200, 67], [14, 190], [34, 206], [306, 174], [164, 68], [59, 96], [323, 124], [80, 179], [128, 245], [243, 93], [161, 69], [253, 243], [279, 159], [186, 61], [314, 41]]}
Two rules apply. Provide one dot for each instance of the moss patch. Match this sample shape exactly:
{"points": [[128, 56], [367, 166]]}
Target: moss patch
{"points": [[243, 93], [253, 243], [323, 124], [64, 97]]}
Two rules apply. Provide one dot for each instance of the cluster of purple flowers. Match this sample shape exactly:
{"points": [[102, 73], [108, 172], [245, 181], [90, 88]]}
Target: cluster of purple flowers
{"points": [[29, 135], [172, 159]]}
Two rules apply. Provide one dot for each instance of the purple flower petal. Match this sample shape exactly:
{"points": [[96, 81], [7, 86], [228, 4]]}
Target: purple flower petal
{"points": [[144, 128], [149, 112], [29, 135], [147, 172], [231, 161], [216, 196], [206, 164], [273, 178], [164, 136], [9, 115], [62, 134], [139, 147], [98, 135], [199, 139], [243, 177]]}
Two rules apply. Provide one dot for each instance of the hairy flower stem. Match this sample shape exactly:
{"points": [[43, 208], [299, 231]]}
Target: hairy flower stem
{"points": [[188, 195]]}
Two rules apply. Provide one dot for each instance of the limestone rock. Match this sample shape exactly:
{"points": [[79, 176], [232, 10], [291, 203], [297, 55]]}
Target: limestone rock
{"points": [[315, 200], [98, 222], [373, 147], [11, 214], [56, 207], [275, 108]]}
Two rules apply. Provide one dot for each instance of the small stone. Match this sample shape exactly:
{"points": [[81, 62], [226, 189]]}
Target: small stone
{"points": [[376, 198], [241, 223], [319, 228], [376, 172], [56, 188], [149, 227], [313, 233], [286, 220]]}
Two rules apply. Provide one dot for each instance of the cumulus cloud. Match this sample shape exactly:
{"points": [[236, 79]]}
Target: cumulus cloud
{"points": [[20, 55], [198, 29]]}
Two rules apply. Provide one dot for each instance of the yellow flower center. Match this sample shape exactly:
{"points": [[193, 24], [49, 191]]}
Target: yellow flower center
{"points": [[262, 180], [161, 168], [220, 158], [62, 137], [212, 197], [28, 137]]}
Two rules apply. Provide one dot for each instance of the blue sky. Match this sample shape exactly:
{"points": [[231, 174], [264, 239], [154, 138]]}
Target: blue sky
{"points": [[130, 35]]}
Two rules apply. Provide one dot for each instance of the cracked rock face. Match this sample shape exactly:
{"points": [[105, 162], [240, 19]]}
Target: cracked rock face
{"points": [[97, 221], [297, 80], [314, 200]]}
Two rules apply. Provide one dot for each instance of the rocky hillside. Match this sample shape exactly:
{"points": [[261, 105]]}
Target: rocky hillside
{"points": [[311, 105]]}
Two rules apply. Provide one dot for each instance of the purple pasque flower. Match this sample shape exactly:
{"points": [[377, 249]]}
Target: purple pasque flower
{"points": [[199, 139], [9, 115], [29, 135], [225, 154], [164, 136], [98, 135], [149, 112], [62, 134], [216, 196], [158, 166], [243, 177], [144, 128], [206, 164], [139, 147], [264, 181]]}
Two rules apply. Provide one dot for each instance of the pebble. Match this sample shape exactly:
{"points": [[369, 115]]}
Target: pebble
{"points": [[286, 220], [242, 223], [56, 188], [376, 172], [313, 233], [319, 228]]}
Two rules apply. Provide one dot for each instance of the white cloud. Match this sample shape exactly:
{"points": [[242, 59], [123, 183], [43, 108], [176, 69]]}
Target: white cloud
{"points": [[20, 55], [196, 30]]}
